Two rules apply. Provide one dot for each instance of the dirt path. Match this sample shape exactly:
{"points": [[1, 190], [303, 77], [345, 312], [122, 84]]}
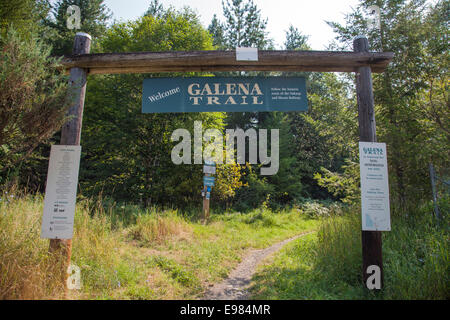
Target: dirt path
{"points": [[236, 285]]}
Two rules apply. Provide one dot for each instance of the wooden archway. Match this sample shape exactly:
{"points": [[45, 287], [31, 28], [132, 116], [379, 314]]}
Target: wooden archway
{"points": [[360, 61]]}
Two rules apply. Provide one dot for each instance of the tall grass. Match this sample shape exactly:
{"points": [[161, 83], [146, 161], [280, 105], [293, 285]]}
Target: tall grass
{"points": [[338, 247], [153, 227], [27, 270], [126, 252], [328, 266]]}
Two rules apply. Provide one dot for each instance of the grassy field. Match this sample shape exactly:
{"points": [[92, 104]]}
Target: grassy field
{"points": [[125, 252], [326, 265]]}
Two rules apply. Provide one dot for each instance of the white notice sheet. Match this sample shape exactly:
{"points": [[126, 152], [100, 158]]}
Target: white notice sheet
{"points": [[374, 187], [61, 192]]}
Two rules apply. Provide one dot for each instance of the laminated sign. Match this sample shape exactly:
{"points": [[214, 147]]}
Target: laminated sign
{"points": [[61, 192], [374, 187], [210, 94]]}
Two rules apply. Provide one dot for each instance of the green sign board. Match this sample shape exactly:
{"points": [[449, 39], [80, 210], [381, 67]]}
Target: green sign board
{"points": [[209, 94]]}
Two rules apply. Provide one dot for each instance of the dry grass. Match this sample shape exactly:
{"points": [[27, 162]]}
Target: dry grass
{"points": [[126, 252], [159, 227], [27, 270]]}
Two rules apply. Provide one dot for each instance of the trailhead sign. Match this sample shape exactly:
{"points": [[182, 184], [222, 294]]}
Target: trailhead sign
{"points": [[374, 187], [210, 94], [61, 192]]}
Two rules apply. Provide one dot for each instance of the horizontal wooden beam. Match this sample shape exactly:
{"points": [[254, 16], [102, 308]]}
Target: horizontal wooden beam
{"points": [[208, 61]]}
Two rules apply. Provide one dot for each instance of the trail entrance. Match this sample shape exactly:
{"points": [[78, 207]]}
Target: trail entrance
{"points": [[360, 61]]}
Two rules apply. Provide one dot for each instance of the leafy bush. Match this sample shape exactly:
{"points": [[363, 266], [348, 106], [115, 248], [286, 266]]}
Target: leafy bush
{"points": [[33, 96], [259, 218], [344, 186], [314, 209]]}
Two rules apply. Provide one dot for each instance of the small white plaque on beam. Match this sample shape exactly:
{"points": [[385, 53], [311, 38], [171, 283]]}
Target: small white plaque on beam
{"points": [[246, 54], [61, 192]]}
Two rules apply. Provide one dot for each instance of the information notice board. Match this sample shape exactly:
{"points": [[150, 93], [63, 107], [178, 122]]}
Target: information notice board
{"points": [[228, 94], [374, 187], [61, 192]]}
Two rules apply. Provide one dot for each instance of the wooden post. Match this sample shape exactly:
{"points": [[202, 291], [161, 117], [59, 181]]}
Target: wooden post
{"points": [[371, 240], [205, 202], [71, 132], [205, 206]]}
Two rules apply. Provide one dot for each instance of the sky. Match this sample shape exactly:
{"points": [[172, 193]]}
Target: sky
{"points": [[308, 16]]}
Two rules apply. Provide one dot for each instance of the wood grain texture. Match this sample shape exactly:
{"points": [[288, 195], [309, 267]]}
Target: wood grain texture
{"points": [[371, 240], [188, 61], [70, 135]]}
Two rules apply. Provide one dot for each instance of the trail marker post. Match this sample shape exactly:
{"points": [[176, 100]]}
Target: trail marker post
{"points": [[71, 132], [209, 169], [371, 240]]}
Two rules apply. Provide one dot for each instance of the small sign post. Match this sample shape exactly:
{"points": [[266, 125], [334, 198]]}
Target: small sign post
{"points": [[208, 182]]}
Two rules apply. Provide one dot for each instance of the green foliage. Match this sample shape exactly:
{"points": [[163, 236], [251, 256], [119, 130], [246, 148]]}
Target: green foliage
{"points": [[217, 30], [287, 183], [411, 96], [344, 186], [228, 181], [94, 17], [33, 97], [244, 26], [155, 9], [24, 15], [260, 218], [128, 154], [295, 40], [254, 194]]}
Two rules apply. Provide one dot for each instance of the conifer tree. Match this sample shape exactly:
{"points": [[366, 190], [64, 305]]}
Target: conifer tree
{"points": [[94, 17]]}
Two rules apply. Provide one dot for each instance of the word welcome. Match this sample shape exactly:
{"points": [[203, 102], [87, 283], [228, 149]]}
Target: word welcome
{"points": [[165, 94], [214, 147]]}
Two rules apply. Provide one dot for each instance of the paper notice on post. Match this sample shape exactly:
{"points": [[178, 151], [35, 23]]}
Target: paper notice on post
{"points": [[61, 192], [374, 187]]}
